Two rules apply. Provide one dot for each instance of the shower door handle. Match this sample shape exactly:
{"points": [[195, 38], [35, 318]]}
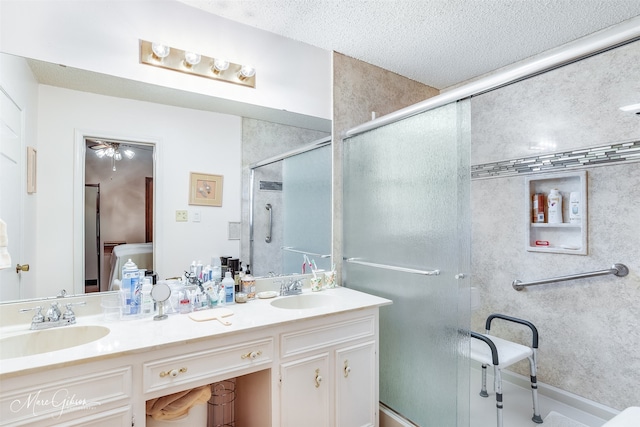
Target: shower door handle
{"points": [[270, 209]]}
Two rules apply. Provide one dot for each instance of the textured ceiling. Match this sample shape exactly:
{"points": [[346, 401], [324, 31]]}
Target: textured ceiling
{"points": [[436, 42]]}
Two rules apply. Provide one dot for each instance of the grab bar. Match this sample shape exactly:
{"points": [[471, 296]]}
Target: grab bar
{"points": [[394, 268], [619, 270], [291, 249], [270, 209]]}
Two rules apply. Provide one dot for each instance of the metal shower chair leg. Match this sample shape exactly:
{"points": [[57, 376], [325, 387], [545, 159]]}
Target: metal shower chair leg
{"points": [[522, 352]]}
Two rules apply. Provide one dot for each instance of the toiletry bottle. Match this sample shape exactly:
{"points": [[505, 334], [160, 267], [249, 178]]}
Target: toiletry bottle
{"points": [[131, 286], [538, 208], [216, 269], [575, 216], [554, 207], [229, 288], [146, 306]]}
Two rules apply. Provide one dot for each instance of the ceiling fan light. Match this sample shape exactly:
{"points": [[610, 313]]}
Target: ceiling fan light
{"points": [[117, 155], [109, 151], [129, 154], [100, 153]]}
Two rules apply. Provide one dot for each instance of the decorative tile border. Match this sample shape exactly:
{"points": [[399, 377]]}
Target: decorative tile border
{"points": [[553, 162]]}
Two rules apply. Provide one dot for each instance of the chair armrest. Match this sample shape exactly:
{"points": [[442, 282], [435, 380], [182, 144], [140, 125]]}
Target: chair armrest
{"points": [[492, 346], [530, 325]]}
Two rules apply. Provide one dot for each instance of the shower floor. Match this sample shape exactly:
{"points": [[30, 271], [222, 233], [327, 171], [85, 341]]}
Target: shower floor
{"points": [[518, 406]]}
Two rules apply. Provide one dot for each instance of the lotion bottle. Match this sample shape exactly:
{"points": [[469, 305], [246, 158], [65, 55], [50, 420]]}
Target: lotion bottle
{"points": [[574, 208], [229, 288], [554, 207]]}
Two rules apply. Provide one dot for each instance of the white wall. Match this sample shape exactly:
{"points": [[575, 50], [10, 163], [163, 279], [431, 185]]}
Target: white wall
{"points": [[187, 140], [103, 36]]}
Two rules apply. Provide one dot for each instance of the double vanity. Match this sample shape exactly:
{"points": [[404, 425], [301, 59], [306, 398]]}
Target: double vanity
{"points": [[308, 359]]}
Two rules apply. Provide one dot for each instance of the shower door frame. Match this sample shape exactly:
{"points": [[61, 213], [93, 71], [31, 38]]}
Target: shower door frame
{"points": [[252, 167]]}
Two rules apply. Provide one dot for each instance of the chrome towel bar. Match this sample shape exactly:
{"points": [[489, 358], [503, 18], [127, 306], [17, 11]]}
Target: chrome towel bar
{"points": [[394, 268], [619, 270], [291, 249]]}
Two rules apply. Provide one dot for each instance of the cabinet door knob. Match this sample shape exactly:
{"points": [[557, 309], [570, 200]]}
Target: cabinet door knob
{"points": [[347, 368], [252, 355], [173, 372], [318, 378]]}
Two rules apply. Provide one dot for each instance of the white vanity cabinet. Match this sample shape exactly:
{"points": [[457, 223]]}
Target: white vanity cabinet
{"points": [[328, 373], [92, 394], [291, 367]]}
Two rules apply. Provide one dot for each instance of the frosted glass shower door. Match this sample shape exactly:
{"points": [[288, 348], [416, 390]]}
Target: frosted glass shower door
{"points": [[307, 209], [407, 238]]}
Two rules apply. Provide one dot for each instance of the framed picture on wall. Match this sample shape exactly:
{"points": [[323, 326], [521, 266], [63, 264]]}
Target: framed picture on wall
{"points": [[205, 189]]}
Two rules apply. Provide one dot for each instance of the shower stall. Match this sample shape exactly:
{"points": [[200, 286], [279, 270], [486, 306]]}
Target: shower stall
{"points": [[290, 210], [407, 238]]}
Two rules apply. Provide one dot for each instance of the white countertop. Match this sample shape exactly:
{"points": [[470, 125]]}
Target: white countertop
{"points": [[132, 336]]}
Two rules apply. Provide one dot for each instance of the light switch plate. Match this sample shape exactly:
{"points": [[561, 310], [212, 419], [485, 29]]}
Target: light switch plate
{"points": [[182, 216]]}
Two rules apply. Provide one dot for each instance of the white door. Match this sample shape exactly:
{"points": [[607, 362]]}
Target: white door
{"points": [[11, 190]]}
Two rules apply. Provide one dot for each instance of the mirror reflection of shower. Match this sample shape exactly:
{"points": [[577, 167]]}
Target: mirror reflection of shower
{"points": [[290, 210]]}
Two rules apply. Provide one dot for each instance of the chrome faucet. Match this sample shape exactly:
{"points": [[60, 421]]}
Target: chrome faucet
{"points": [[293, 287], [54, 317]]}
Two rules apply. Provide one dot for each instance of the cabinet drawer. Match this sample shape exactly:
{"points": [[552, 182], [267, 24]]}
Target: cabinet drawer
{"points": [[64, 400], [178, 370], [317, 338]]}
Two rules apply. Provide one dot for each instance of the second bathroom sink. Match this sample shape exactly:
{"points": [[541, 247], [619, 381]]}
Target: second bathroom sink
{"points": [[304, 301]]}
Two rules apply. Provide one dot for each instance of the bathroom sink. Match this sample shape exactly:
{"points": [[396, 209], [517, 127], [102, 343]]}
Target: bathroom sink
{"points": [[44, 341], [304, 301]]}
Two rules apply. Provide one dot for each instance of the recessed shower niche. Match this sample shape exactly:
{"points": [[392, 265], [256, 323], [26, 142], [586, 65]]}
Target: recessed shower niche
{"points": [[568, 236]]}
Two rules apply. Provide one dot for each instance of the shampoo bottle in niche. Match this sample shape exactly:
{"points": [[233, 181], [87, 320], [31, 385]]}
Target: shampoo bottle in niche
{"points": [[575, 214], [554, 207], [229, 288]]}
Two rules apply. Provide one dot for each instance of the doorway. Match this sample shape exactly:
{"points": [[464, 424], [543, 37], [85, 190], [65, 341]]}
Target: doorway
{"points": [[124, 172]]}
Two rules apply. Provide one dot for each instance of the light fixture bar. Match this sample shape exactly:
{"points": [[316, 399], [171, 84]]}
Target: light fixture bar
{"points": [[183, 61]]}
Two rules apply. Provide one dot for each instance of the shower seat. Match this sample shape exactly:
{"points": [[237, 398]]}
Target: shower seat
{"points": [[491, 350]]}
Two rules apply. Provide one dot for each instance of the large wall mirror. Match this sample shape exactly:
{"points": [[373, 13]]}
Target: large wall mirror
{"points": [[69, 113]]}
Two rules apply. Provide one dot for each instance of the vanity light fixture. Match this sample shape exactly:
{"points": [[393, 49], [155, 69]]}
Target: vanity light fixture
{"points": [[160, 51], [111, 150], [192, 58], [219, 65], [246, 72], [163, 56]]}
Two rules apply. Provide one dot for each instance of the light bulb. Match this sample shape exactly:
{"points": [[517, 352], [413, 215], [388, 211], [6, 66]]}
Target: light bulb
{"points": [[129, 153], [100, 153], [117, 155], [247, 72], [160, 50], [109, 151], [220, 65], [192, 58]]}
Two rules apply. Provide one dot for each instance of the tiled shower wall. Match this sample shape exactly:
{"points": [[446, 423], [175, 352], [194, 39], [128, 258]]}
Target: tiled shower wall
{"points": [[261, 140], [360, 89], [589, 328]]}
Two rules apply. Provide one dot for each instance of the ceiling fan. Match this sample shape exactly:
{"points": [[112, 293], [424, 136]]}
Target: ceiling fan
{"points": [[112, 150]]}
